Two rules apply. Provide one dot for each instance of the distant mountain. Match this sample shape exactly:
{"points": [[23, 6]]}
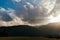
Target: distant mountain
{"points": [[24, 30]]}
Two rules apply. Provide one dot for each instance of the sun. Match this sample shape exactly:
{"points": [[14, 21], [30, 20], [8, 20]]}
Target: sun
{"points": [[55, 19]]}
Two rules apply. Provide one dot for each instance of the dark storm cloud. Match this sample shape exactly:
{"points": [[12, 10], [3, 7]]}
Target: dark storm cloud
{"points": [[33, 13]]}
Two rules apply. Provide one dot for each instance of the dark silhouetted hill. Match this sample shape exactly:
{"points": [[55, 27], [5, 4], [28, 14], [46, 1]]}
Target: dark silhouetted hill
{"points": [[24, 30]]}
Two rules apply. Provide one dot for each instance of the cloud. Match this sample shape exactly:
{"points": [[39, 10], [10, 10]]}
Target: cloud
{"points": [[4, 15], [35, 15], [16, 0], [29, 13], [2, 9], [56, 13]]}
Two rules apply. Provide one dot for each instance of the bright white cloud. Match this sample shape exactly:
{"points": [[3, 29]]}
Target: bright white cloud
{"points": [[17, 0], [2, 9], [49, 4]]}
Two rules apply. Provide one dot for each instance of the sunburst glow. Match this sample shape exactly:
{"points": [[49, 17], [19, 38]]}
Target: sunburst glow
{"points": [[55, 19]]}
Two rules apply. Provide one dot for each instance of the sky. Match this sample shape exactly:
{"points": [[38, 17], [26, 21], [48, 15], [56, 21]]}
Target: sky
{"points": [[28, 12]]}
